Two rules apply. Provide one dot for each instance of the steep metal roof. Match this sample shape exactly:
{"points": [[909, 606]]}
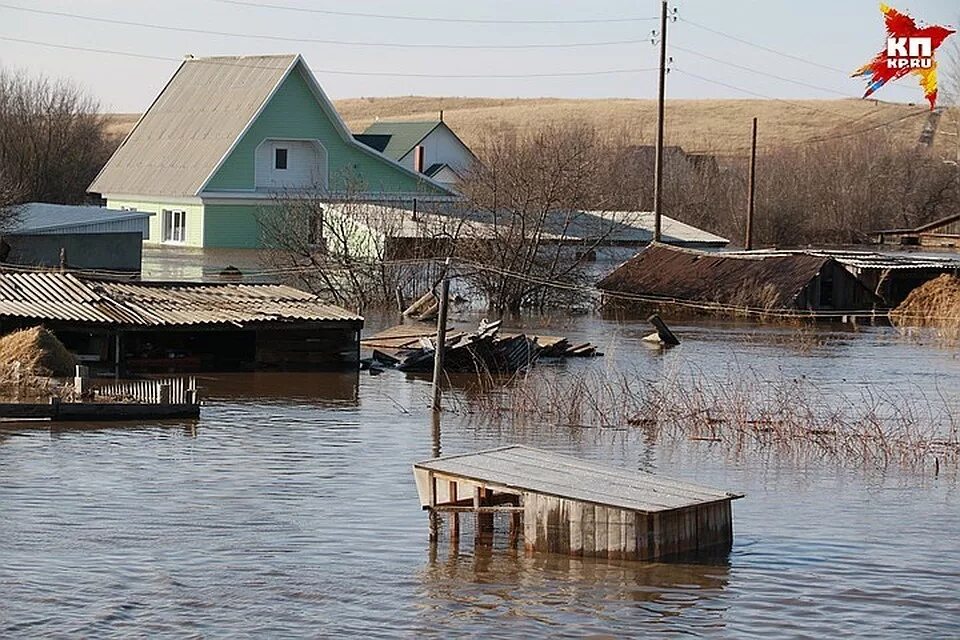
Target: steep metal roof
{"points": [[192, 125], [529, 470], [63, 296], [43, 218], [404, 136]]}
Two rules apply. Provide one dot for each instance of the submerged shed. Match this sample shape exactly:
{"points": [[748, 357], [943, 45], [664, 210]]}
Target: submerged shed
{"points": [[756, 280], [575, 507], [183, 326]]}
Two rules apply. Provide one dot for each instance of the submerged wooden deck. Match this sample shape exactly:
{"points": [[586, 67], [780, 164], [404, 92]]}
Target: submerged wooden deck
{"points": [[567, 505]]}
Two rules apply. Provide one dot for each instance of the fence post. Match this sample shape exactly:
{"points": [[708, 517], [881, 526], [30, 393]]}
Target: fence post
{"points": [[163, 395], [81, 381]]}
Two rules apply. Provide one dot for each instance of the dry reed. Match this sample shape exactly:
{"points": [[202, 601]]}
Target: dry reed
{"points": [[34, 352], [740, 409]]}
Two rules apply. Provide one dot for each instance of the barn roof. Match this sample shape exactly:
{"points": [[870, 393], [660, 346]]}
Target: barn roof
{"points": [[684, 274], [66, 297], [525, 469]]}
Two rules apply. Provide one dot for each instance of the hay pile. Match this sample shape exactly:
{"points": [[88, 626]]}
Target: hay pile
{"points": [[39, 353], [933, 304]]}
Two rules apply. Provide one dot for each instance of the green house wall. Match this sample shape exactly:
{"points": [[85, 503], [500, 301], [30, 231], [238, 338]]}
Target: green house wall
{"points": [[195, 219], [234, 226], [294, 112]]}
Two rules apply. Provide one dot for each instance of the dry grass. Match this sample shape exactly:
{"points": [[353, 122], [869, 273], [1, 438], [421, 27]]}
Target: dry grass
{"points": [[738, 409], [38, 352], [715, 126], [934, 304]]}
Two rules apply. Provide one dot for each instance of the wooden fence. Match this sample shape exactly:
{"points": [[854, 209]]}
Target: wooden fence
{"points": [[161, 391]]}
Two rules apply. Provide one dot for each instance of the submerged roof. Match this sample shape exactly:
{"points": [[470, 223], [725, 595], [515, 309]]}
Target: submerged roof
{"points": [[401, 137], [192, 125], [684, 274], [525, 469], [43, 217], [66, 297]]}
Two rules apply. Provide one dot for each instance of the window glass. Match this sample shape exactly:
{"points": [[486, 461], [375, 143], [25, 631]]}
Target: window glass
{"points": [[280, 158]]}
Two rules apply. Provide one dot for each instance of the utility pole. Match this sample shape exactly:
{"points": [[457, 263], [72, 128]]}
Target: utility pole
{"points": [[751, 188], [658, 163], [441, 336]]}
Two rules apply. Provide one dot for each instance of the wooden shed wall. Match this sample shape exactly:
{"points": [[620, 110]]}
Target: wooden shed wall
{"points": [[558, 525]]}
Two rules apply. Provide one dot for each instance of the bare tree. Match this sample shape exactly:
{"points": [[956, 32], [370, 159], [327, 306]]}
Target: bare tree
{"points": [[356, 252], [52, 139], [530, 196]]}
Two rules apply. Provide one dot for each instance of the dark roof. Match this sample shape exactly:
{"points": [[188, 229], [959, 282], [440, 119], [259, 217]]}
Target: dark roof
{"points": [[667, 272], [403, 136], [373, 140], [436, 168], [930, 226]]}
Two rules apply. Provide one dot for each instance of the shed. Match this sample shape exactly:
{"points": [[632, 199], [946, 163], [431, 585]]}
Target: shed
{"points": [[739, 280], [581, 508], [41, 234], [944, 233], [183, 326]]}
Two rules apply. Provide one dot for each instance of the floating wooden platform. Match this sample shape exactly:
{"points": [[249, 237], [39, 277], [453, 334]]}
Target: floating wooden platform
{"points": [[575, 507]]}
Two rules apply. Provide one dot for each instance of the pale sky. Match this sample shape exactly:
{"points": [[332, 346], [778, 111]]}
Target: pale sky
{"points": [[837, 35]]}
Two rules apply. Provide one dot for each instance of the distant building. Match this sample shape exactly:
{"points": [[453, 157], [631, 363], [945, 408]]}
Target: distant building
{"points": [[601, 236], [230, 135], [81, 237], [430, 148], [943, 233]]}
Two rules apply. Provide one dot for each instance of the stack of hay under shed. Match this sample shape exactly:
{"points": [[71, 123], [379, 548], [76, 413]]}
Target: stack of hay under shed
{"points": [[933, 304], [38, 352]]}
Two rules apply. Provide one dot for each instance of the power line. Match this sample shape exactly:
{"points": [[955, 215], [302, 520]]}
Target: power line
{"points": [[768, 49], [380, 16], [352, 43], [386, 74], [762, 73]]}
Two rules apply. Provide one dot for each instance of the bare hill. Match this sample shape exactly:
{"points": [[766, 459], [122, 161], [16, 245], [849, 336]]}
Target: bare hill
{"points": [[713, 126]]}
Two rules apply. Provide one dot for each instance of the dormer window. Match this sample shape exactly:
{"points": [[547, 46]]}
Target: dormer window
{"points": [[280, 158]]}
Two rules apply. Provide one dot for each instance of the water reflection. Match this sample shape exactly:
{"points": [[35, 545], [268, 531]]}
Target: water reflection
{"points": [[323, 389]]}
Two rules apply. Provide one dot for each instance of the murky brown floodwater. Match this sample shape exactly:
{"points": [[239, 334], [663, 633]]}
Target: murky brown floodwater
{"points": [[289, 510]]}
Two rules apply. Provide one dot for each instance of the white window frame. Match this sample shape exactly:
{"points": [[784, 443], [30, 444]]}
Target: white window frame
{"points": [[173, 226]]}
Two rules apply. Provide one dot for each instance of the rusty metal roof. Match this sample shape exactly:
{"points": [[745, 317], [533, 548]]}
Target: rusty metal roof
{"points": [[66, 297], [525, 469], [684, 274], [862, 259]]}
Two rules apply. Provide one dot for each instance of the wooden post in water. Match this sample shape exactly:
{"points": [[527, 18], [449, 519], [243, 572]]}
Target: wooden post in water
{"points": [[441, 336], [751, 188]]}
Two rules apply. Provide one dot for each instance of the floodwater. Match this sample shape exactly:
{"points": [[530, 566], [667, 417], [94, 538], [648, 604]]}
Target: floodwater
{"points": [[289, 510]]}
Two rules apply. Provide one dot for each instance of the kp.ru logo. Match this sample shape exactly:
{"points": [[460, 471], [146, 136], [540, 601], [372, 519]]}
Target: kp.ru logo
{"points": [[909, 49]]}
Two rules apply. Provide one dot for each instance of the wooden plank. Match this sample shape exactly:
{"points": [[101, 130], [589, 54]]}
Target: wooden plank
{"points": [[529, 521], [629, 538], [614, 524], [589, 530], [553, 523], [575, 519]]}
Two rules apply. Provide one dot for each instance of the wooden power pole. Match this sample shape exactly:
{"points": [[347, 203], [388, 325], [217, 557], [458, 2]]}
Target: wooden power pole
{"points": [[441, 336], [658, 162], [751, 188]]}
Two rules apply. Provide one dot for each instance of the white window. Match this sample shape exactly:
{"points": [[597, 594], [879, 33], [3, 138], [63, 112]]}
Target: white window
{"points": [[280, 158], [174, 226]]}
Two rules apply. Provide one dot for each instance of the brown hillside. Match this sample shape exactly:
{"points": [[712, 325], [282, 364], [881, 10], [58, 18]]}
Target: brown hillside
{"points": [[716, 126]]}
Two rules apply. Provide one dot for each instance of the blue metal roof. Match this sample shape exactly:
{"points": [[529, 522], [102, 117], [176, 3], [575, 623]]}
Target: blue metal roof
{"points": [[45, 218]]}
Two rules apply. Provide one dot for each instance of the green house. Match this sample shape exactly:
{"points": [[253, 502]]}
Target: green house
{"points": [[229, 137]]}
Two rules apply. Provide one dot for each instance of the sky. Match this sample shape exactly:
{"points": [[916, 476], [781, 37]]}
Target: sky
{"points": [[819, 42]]}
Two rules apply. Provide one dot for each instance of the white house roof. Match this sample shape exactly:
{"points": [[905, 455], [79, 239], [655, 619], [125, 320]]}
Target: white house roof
{"points": [[192, 125], [46, 218]]}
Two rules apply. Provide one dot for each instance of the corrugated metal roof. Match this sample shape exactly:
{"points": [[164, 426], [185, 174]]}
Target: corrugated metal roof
{"points": [[532, 470], [683, 274], [862, 259], [43, 218], [63, 296], [191, 125], [403, 136]]}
